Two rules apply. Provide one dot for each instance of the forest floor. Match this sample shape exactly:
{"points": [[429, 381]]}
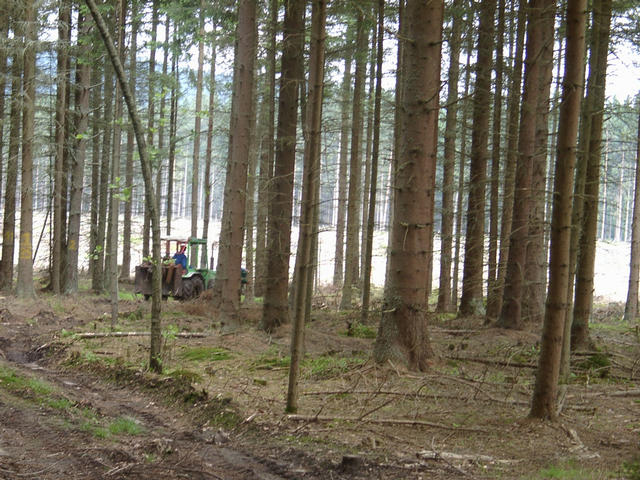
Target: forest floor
{"points": [[77, 406]]}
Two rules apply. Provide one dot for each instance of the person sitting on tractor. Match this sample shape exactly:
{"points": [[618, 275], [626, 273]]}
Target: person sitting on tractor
{"points": [[180, 258]]}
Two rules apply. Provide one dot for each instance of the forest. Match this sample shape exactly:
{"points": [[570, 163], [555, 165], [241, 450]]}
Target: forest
{"points": [[320, 239]]}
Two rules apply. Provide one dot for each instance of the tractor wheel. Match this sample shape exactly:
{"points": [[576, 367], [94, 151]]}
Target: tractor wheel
{"points": [[187, 289], [198, 286]]}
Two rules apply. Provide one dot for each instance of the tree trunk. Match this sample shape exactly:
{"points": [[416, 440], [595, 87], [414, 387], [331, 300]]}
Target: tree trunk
{"points": [[403, 335], [156, 337], [511, 314], [249, 216], [496, 154], [351, 267], [617, 237], [587, 250], [97, 279], [311, 177], [227, 284], [83, 75], [209, 155], [631, 307], [128, 206], [173, 126], [4, 28], [114, 191], [536, 256], [162, 116], [366, 187], [373, 184], [267, 155], [25, 288], [555, 112], [495, 295], [543, 404], [338, 264], [195, 173], [9, 217], [69, 134], [455, 43], [471, 301], [275, 311], [605, 203], [151, 99], [96, 105], [64, 18], [461, 169], [588, 111]]}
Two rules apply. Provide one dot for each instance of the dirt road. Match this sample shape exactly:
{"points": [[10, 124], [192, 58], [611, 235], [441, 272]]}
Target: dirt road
{"points": [[67, 423]]}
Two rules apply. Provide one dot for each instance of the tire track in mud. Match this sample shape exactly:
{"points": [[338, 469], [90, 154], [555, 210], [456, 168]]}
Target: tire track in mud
{"points": [[37, 442]]}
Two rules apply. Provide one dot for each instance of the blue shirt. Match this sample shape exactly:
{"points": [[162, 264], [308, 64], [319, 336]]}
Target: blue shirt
{"points": [[180, 259]]}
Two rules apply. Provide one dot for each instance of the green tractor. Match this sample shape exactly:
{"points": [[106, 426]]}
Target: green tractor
{"points": [[180, 278]]}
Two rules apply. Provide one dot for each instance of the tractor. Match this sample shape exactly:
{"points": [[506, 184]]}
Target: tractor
{"points": [[177, 281]]}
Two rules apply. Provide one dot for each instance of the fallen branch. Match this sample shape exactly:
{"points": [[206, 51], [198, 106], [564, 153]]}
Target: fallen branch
{"points": [[492, 362], [135, 334], [454, 331], [383, 421], [619, 393], [420, 395], [433, 455]]}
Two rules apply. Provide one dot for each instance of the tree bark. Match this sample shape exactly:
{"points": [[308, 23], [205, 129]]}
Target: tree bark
{"points": [[83, 75], [209, 154], [151, 106], [449, 166], [402, 335], [587, 246], [227, 284], [162, 116], [128, 185], [155, 363], [511, 314], [275, 310], [587, 114], [338, 264], [25, 288], [267, 154], [496, 154], [366, 184], [311, 177], [97, 279], [352, 251], [114, 191], [96, 106], [461, 169], [9, 217], [4, 28], [195, 172], [536, 257], [173, 125], [375, 149], [64, 19], [495, 295], [543, 403], [249, 216], [471, 300], [631, 306]]}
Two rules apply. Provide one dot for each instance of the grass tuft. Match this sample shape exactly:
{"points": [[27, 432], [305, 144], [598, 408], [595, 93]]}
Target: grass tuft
{"points": [[125, 426], [204, 354]]}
